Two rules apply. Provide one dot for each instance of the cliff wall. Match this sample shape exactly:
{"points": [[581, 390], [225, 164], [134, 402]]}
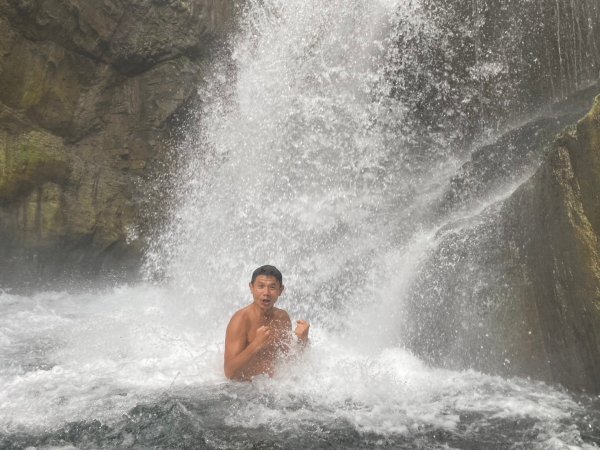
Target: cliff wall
{"points": [[90, 94], [515, 289]]}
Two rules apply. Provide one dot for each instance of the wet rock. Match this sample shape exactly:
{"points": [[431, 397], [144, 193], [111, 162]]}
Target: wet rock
{"points": [[515, 289], [130, 35], [510, 159], [461, 68], [88, 93], [554, 221]]}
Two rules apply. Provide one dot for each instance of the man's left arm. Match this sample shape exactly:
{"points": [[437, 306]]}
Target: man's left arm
{"points": [[301, 331]]}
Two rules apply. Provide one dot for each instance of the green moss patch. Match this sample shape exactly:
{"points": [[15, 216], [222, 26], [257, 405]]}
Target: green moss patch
{"points": [[28, 161]]}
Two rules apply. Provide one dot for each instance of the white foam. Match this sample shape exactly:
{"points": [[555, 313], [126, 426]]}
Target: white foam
{"points": [[114, 349]]}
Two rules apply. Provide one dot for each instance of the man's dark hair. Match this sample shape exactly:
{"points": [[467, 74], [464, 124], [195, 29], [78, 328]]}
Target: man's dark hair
{"points": [[269, 271]]}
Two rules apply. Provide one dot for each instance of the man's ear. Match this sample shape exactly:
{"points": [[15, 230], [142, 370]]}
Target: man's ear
{"points": [[281, 290]]}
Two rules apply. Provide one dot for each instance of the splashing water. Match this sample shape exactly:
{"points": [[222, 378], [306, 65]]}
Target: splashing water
{"points": [[300, 160]]}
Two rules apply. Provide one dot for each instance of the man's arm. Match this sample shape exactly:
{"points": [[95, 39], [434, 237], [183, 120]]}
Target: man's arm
{"points": [[301, 331], [237, 355]]}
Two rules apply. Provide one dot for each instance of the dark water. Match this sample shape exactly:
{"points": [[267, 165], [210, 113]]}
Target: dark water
{"points": [[141, 367], [200, 419]]}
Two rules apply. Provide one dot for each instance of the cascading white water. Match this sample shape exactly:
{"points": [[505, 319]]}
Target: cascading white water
{"points": [[300, 164], [297, 160]]}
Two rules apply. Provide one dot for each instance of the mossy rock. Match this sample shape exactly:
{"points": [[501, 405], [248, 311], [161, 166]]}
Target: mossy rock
{"points": [[40, 217], [28, 161]]}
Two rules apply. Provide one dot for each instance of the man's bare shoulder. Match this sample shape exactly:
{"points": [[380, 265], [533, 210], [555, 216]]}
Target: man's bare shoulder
{"points": [[241, 316]]}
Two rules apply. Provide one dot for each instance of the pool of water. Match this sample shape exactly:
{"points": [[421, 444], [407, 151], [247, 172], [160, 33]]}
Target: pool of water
{"points": [[129, 367]]}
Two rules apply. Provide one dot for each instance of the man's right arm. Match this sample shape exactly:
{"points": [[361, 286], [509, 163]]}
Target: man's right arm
{"points": [[238, 356]]}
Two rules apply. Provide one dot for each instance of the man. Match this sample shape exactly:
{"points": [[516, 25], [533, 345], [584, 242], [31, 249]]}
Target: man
{"points": [[259, 333]]}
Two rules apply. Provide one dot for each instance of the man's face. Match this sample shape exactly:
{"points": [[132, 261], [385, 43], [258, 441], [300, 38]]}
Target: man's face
{"points": [[265, 291]]}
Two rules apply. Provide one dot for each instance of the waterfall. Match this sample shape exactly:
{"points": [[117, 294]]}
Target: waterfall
{"points": [[325, 138], [300, 164]]}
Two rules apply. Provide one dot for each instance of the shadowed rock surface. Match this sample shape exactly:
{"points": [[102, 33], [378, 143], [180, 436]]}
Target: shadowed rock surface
{"points": [[511, 158], [90, 93], [462, 68], [516, 289]]}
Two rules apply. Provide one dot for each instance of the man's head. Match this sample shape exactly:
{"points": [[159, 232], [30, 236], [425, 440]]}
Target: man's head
{"points": [[269, 271], [266, 286]]}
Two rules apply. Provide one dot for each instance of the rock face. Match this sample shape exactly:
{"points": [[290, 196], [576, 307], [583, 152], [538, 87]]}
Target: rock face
{"points": [[461, 67], [511, 285], [89, 96], [515, 289], [554, 222]]}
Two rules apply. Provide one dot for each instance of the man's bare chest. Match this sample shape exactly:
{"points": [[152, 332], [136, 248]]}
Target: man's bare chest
{"points": [[277, 330]]}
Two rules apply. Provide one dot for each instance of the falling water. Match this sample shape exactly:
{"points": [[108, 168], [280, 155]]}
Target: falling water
{"points": [[300, 165], [301, 156]]}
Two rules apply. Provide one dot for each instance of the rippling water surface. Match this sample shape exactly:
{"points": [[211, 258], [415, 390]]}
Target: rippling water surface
{"points": [[138, 367]]}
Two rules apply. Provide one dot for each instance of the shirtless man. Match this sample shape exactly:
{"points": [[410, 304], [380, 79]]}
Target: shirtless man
{"points": [[259, 333]]}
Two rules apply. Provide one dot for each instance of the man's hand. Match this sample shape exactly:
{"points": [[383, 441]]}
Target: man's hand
{"points": [[262, 336], [301, 330]]}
